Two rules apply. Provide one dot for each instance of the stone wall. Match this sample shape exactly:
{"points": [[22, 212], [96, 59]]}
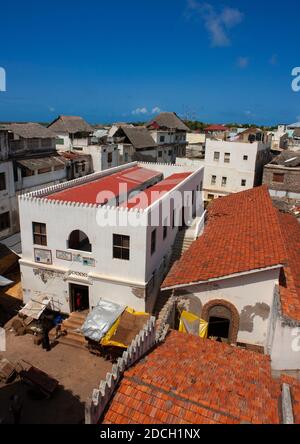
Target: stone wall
{"points": [[291, 178]]}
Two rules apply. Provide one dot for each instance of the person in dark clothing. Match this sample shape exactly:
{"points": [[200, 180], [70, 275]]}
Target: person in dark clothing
{"points": [[78, 301], [46, 341], [16, 406]]}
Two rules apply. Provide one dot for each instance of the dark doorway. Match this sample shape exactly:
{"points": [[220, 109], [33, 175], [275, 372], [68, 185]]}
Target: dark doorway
{"points": [[218, 328], [79, 297]]}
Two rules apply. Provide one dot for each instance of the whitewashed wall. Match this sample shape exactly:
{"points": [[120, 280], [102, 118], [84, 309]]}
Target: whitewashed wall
{"points": [[8, 201], [286, 346], [237, 170], [117, 280], [253, 297]]}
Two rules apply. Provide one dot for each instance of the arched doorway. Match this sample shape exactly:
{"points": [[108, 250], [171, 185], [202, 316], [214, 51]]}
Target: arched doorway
{"points": [[78, 240], [223, 320]]}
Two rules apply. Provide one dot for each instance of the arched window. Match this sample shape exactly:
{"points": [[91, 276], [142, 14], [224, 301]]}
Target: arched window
{"points": [[223, 319], [79, 241]]}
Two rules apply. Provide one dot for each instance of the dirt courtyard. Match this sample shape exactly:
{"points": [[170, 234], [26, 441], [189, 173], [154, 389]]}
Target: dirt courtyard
{"points": [[77, 371]]}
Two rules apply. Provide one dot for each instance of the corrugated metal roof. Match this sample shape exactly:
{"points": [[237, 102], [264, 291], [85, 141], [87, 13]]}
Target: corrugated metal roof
{"points": [[42, 162]]}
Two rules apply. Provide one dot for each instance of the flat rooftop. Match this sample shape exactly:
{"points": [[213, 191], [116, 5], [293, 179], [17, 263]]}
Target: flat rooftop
{"points": [[133, 178], [150, 195]]}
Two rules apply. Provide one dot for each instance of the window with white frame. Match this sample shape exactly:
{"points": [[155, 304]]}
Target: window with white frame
{"points": [[213, 180], [216, 156], [227, 158], [224, 181]]}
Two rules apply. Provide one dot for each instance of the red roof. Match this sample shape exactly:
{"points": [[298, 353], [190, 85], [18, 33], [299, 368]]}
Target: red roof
{"points": [[290, 282], [216, 128], [148, 197], [242, 234], [188, 380], [88, 192]]}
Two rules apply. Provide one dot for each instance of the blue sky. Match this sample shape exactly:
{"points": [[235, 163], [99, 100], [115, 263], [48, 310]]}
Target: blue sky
{"points": [[112, 60]]}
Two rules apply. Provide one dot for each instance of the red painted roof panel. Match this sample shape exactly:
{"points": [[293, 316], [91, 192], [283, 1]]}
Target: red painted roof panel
{"points": [[89, 192], [149, 196]]}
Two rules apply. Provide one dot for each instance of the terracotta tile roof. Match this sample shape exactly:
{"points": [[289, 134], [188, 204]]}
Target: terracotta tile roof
{"points": [[242, 234], [290, 280], [199, 382], [132, 177]]}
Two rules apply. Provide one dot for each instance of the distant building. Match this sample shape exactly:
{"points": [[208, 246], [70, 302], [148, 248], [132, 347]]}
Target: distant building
{"points": [[134, 144], [242, 276], [217, 132], [294, 140], [279, 138], [77, 164], [231, 167], [252, 135], [73, 133], [195, 145], [170, 133], [114, 239], [282, 175], [28, 162]]}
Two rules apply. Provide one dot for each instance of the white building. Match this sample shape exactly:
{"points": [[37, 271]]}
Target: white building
{"points": [[28, 161], [74, 134], [242, 276], [93, 238], [231, 167], [169, 132], [134, 144], [195, 145], [279, 138]]}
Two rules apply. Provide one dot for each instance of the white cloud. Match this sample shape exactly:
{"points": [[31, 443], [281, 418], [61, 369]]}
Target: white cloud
{"points": [[217, 23], [51, 109], [156, 110], [243, 62], [139, 111]]}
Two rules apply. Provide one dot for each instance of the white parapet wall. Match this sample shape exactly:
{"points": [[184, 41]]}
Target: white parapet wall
{"points": [[142, 344]]}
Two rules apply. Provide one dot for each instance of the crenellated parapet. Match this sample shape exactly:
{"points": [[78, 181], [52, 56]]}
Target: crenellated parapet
{"points": [[140, 346]]}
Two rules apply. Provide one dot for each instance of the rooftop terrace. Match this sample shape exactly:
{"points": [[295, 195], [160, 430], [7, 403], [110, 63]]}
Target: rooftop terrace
{"points": [[152, 194], [135, 187], [133, 178]]}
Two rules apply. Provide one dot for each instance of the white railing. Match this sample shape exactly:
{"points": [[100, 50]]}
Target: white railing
{"points": [[200, 226], [97, 403]]}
